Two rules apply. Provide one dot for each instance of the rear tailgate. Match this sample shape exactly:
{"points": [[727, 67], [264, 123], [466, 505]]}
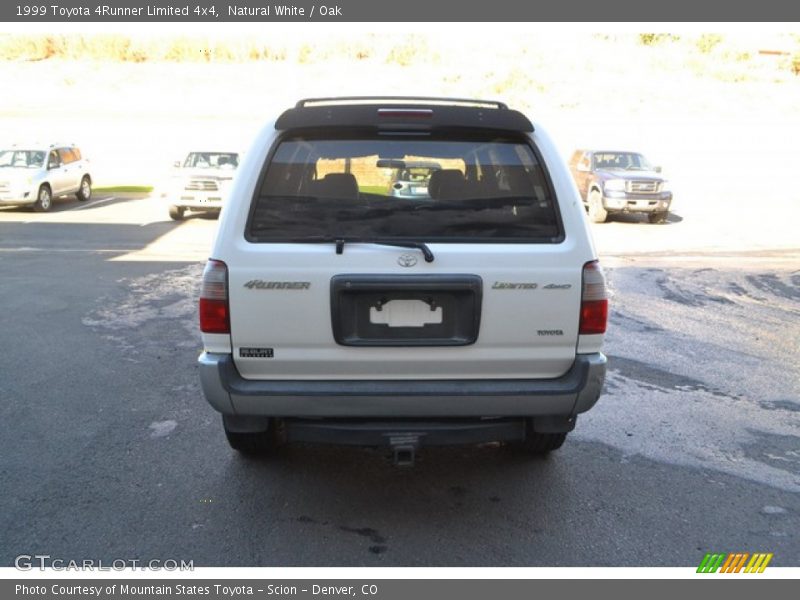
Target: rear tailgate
{"points": [[491, 311]]}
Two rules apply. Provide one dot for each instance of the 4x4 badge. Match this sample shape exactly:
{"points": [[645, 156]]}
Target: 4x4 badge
{"points": [[406, 260]]}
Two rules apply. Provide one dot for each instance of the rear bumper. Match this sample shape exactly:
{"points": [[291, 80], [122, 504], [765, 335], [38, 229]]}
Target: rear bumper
{"points": [[573, 393], [199, 204], [408, 435]]}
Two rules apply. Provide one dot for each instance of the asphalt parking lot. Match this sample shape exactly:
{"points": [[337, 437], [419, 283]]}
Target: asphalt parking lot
{"points": [[109, 451]]}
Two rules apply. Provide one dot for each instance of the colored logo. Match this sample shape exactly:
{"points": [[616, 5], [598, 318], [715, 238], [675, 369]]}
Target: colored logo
{"points": [[735, 562]]}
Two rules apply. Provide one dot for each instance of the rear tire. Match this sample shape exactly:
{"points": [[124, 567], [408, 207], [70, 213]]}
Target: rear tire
{"points": [[262, 443], [597, 214], [44, 199], [176, 212], [543, 443], [85, 191], [540, 444], [658, 217]]}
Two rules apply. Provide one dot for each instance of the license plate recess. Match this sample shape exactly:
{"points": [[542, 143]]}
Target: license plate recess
{"points": [[456, 297]]}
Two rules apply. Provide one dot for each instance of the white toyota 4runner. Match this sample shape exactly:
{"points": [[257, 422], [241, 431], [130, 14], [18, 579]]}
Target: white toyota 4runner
{"points": [[334, 311]]}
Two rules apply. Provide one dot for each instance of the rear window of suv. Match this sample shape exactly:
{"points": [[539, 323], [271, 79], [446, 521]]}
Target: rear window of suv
{"points": [[325, 188]]}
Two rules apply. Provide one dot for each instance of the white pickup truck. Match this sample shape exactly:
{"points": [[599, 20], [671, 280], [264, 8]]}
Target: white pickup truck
{"points": [[334, 311]]}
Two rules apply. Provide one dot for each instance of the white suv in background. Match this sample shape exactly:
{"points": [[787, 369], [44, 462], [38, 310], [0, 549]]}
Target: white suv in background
{"points": [[200, 182], [333, 311], [34, 175]]}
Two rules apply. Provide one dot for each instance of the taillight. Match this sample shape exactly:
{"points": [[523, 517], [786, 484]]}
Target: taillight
{"points": [[214, 312], [594, 300]]}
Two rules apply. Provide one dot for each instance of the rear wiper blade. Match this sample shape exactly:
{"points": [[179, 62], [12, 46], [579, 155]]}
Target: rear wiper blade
{"points": [[421, 246]]}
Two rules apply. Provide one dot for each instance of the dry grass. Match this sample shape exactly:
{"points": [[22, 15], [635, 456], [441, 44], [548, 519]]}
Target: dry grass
{"points": [[137, 49], [711, 54], [121, 48]]}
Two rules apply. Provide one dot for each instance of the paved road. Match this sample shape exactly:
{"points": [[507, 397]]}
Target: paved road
{"points": [[107, 449]]}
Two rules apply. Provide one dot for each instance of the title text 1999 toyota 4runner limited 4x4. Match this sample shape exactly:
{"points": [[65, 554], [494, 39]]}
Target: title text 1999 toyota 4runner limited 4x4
{"points": [[333, 311]]}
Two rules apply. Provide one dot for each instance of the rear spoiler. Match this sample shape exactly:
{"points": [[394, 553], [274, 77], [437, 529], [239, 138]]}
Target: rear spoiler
{"points": [[415, 114]]}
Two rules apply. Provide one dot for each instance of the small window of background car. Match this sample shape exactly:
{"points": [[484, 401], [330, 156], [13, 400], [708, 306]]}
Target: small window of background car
{"points": [[53, 161]]}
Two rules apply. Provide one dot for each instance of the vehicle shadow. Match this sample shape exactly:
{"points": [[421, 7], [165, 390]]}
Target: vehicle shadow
{"points": [[69, 203], [641, 218]]}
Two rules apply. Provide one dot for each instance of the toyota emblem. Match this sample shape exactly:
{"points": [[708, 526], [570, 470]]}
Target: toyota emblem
{"points": [[406, 260]]}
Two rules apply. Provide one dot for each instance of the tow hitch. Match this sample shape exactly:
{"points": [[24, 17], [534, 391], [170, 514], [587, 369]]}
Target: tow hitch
{"points": [[404, 448]]}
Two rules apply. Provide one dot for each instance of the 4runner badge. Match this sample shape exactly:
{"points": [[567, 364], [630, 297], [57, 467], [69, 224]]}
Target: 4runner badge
{"points": [[259, 284], [406, 260]]}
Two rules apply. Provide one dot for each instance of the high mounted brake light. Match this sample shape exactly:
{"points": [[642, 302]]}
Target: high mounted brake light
{"points": [[405, 113], [214, 310], [594, 300]]}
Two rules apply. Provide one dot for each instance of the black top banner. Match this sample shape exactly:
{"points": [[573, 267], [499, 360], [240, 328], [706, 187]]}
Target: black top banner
{"points": [[344, 11]]}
